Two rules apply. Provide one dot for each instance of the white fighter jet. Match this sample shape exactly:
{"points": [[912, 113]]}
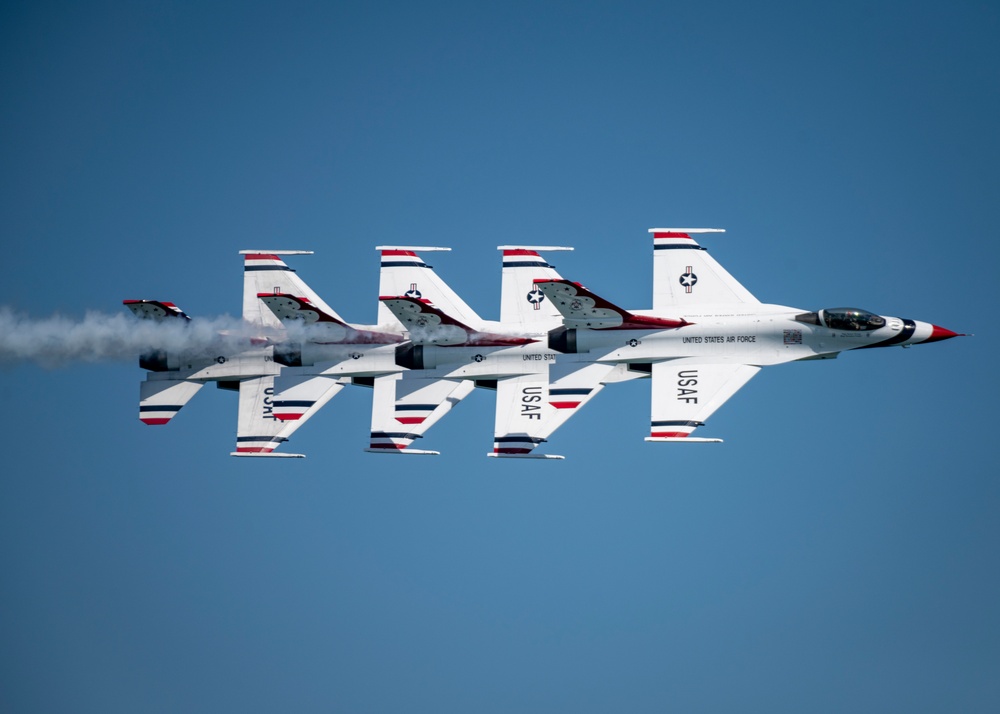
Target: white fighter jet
{"points": [[322, 352], [271, 407], [407, 399], [450, 350], [433, 318], [715, 336]]}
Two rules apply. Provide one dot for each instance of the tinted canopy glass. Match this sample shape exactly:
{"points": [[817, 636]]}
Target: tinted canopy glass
{"points": [[851, 318]]}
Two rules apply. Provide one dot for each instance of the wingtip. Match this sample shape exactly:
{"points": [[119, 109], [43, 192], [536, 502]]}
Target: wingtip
{"points": [[686, 230], [404, 452]]}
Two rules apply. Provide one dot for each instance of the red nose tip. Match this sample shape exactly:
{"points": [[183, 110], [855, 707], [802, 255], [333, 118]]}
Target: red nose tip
{"points": [[940, 333]]}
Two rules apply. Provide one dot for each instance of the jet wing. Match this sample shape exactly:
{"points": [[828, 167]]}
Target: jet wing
{"points": [[297, 398], [258, 430], [685, 275], [405, 406], [161, 399], [531, 407], [685, 395]]}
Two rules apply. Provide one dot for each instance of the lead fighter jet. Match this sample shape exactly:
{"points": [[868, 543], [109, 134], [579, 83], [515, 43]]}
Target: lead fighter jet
{"points": [[721, 337]]}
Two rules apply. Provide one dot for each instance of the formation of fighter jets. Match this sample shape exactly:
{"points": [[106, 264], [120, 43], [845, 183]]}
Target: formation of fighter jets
{"points": [[556, 345]]}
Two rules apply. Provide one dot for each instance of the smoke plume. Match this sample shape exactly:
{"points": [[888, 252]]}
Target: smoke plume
{"points": [[100, 337]]}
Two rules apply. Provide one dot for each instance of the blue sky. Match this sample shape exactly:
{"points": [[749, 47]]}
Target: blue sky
{"points": [[838, 552]]}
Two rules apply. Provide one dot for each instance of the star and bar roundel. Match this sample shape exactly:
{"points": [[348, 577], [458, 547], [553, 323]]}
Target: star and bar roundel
{"points": [[688, 279], [536, 297]]}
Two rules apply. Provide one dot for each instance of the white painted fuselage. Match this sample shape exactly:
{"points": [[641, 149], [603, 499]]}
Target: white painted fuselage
{"points": [[756, 334]]}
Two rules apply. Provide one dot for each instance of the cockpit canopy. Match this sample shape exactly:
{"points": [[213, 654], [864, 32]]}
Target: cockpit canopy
{"points": [[844, 318]]}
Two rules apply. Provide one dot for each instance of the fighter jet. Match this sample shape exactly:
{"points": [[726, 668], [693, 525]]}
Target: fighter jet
{"points": [[450, 349], [713, 335], [263, 363], [239, 362], [321, 353], [406, 405]]}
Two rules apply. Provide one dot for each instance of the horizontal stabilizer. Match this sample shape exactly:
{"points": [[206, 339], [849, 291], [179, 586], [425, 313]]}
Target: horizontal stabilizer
{"points": [[525, 456], [154, 309], [428, 325], [581, 308], [289, 308], [161, 399]]}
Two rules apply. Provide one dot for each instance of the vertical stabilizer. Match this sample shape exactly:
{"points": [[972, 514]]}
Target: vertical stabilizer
{"points": [[265, 272], [404, 273], [521, 302], [685, 275]]}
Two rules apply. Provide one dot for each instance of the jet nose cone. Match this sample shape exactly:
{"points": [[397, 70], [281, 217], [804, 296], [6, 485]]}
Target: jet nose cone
{"points": [[940, 333]]}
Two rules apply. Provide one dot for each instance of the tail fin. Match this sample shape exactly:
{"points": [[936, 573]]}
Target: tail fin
{"points": [[265, 272], [428, 325], [404, 273], [521, 302], [685, 274], [581, 308]]}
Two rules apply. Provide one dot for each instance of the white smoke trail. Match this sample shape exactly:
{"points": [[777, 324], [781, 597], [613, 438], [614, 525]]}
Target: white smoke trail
{"points": [[100, 337]]}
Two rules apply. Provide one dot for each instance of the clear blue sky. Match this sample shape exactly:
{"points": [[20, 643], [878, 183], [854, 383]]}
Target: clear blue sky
{"points": [[837, 553]]}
